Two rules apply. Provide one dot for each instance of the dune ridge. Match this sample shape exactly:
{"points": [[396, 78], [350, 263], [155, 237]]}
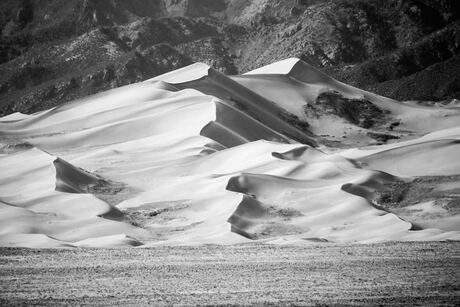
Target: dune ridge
{"points": [[209, 81], [196, 157], [299, 88]]}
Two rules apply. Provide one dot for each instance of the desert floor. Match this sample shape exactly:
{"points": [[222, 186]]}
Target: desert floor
{"points": [[316, 274]]}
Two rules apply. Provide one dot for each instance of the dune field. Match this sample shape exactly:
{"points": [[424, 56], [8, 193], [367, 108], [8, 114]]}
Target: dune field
{"points": [[283, 154]]}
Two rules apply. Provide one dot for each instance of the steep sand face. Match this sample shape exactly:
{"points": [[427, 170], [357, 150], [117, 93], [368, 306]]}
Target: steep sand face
{"points": [[194, 157], [209, 81]]}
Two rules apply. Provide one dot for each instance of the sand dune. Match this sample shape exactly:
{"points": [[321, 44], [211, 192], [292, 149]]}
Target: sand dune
{"points": [[194, 157], [295, 86], [435, 158], [433, 154], [39, 207], [209, 81], [331, 208]]}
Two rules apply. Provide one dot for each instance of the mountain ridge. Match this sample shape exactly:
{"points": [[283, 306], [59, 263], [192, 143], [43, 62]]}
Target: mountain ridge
{"points": [[54, 52]]}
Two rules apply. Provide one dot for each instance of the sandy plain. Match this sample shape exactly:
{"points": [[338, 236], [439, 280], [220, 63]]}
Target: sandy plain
{"points": [[316, 274]]}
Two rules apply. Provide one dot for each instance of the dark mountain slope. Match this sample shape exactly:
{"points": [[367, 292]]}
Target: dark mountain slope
{"points": [[53, 51]]}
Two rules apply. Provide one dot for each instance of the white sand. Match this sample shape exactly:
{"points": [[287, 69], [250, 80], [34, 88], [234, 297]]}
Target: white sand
{"points": [[213, 172]]}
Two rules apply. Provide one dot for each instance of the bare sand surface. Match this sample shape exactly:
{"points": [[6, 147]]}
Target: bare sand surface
{"points": [[416, 273]]}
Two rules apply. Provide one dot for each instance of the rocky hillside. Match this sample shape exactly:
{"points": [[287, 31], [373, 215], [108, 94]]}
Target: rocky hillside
{"points": [[54, 51]]}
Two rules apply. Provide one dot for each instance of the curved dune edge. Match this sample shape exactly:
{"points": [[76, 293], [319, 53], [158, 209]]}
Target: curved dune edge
{"points": [[200, 158], [52, 208], [323, 209]]}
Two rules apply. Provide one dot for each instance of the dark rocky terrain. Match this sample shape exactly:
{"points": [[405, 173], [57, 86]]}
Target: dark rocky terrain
{"points": [[54, 51]]}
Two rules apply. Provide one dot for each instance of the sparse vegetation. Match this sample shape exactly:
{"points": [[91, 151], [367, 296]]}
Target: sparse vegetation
{"points": [[360, 112], [295, 121], [399, 194], [382, 137]]}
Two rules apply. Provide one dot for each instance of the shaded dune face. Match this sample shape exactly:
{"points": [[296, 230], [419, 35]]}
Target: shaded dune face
{"points": [[216, 84], [232, 127], [196, 157], [249, 214], [69, 179]]}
